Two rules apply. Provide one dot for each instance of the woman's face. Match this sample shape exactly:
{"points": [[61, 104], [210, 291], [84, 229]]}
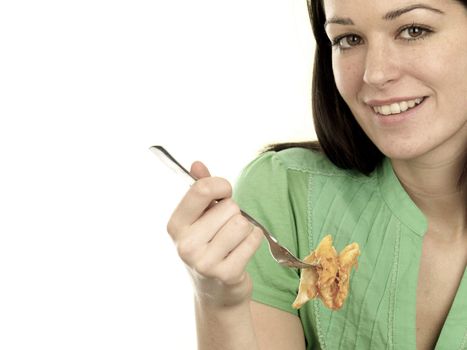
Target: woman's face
{"points": [[401, 66]]}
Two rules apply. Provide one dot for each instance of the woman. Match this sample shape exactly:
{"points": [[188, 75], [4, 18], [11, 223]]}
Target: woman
{"points": [[390, 109]]}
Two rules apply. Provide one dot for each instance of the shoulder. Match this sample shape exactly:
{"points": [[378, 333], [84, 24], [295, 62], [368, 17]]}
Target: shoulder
{"points": [[306, 160], [299, 160]]}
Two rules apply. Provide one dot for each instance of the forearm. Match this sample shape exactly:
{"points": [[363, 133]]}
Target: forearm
{"points": [[226, 328]]}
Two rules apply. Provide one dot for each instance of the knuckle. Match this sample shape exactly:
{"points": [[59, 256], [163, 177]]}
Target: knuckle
{"points": [[171, 227], [186, 250], [230, 275], [255, 238], [202, 188], [225, 185], [240, 222], [232, 205], [203, 267], [251, 245], [212, 187]]}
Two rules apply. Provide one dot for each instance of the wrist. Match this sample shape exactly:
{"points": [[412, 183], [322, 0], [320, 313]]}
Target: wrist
{"points": [[217, 295], [227, 327]]}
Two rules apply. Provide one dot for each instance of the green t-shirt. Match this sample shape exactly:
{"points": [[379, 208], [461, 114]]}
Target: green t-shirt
{"points": [[300, 197]]}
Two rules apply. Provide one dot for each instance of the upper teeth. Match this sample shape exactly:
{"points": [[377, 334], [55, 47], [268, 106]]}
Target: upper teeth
{"points": [[395, 108]]}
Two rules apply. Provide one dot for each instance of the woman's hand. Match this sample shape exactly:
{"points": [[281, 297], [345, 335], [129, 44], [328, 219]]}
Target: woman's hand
{"points": [[214, 240]]}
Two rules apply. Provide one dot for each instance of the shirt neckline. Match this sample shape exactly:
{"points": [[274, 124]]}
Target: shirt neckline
{"points": [[398, 200]]}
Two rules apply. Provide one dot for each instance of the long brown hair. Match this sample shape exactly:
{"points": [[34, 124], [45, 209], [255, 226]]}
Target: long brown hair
{"points": [[339, 136]]}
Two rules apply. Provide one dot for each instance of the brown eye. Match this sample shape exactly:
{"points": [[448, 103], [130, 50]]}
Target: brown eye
{"points": [[353, 40], [414, 32], [347, 41]]}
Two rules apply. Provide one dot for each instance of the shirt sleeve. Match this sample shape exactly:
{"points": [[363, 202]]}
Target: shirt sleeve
{"points": [[262, 191]]}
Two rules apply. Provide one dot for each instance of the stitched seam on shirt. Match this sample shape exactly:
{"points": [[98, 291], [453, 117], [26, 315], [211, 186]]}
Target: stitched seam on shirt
{"points": [[319, 330], [392, 297], [359, 323], [335, 172], [310, 213], [331, 174], [464, 341]]}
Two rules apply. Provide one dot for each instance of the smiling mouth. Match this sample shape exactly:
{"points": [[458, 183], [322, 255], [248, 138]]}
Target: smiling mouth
{"points": [[398, 107]]}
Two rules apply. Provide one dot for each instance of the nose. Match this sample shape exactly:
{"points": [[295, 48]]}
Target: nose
{"points": [[381, 65]]}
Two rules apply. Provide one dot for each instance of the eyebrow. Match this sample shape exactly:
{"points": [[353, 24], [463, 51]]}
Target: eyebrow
{"points": [[388, 16]]}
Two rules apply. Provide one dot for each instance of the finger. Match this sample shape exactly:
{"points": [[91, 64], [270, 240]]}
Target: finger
{"points": [[193, 243], [235, 230], [232, 268], [196, 201], [214, 220], [199, 170]]}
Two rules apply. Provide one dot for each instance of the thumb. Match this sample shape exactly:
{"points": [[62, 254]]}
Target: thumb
{"points": [[199, 170]]}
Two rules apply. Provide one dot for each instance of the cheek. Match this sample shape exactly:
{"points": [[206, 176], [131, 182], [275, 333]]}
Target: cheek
{"points": [[348, 77], [434, 68], [452, 82]]}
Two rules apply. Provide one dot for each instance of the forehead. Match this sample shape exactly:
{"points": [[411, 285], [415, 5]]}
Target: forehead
{"points": [[374, 7]]}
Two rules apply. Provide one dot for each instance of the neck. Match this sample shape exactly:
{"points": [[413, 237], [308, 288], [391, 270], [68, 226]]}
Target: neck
{"points": [[433, 185]]}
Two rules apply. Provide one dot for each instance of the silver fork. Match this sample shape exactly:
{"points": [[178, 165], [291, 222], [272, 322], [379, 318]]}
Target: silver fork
{"points": [[281, 254]]}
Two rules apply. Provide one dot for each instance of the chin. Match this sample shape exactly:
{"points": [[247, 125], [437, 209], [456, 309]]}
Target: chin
{"points": [[401, 150]]}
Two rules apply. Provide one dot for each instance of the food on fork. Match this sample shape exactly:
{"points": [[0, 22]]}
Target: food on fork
{"points": [[330, 280]]}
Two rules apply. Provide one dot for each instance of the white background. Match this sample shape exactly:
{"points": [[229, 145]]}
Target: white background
{"points": [[85, 88]]}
